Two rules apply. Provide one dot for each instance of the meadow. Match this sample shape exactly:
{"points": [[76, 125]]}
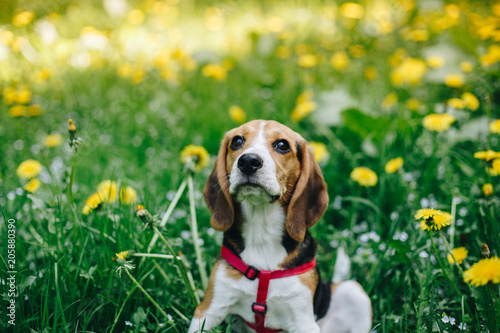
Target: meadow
{"points": [[399, 98]]}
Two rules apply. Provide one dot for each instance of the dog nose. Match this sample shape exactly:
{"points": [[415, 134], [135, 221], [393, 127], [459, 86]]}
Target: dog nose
{"points": [[249, 163]]}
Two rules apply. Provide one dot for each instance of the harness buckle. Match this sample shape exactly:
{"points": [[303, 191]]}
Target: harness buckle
{"points": [[259, 308], [252, 273]]}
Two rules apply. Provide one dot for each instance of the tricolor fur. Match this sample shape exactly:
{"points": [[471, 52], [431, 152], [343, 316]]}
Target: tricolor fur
{"points": [[266, 189]]}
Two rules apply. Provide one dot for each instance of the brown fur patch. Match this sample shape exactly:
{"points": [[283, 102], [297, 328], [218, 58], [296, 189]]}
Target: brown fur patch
{"points": [[232, 272], [310, 280], [290, 257], [209, 294]]}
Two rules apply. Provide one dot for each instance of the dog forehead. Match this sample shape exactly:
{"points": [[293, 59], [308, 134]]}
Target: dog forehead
{"points": [[272, 130]]}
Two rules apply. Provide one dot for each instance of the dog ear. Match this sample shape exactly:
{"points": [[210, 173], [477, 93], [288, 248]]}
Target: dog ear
{"points": [[310, 197], [216, 192]]}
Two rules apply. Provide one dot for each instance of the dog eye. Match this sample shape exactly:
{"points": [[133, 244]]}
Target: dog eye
{"points": [[282, 146], [237, 142]]}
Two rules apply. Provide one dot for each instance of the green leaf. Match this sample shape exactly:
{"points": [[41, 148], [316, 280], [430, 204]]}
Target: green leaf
{"points": [[364, 124], [26, 283]]}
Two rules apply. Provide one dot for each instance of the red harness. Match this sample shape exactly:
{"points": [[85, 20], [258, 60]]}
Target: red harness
{"points": [[259, 307]]}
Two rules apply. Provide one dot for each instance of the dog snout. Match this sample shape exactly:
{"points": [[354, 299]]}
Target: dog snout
{"points": [[249, 163]]}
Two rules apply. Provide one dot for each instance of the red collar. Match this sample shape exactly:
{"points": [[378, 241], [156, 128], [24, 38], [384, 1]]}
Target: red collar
{"points": [[259, 307]]}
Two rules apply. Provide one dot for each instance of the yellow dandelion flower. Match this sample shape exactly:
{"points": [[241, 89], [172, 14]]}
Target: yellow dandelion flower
{"points": [[426, 213], [460, 253], [23, 96], [352, 10], [108, 191], [302, 110], [487, 190], [390, 100], [9, 95], [283, 51], [138, 75], [93, 202], [433, 219], [413, 104], [33, 185], [17, 111], [495, 167], [136, 16], [370, 73], [456, 103], [470, 101], [320, 151], [339, 60], [128, 196], [495, 126], [53, 140], [29, 169], [435, 61], [214, 71], [454, 80], [487, 155], [484, 271], [304, 106], [237, 114], [492, 57], [438, 122], [409, 72], [466, 66], [306, 96], [125, 70], [23, 18], [397, 58], [357, 51], [197, 155], [364, 176], [394, 165], [43, 74], [34, 110], [308, 60]]}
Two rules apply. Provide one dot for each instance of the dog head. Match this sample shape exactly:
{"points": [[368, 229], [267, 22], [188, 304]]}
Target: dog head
{"points": [[264, 162]]}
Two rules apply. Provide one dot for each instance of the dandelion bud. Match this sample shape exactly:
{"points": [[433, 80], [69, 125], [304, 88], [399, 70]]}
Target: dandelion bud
{"points": [[485, 251], [73, 139], [71, 127], [184, 259], [144, 215], [121, 257], [123, 264]]}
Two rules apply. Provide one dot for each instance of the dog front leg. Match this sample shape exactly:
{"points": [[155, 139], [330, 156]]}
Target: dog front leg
{"points": [[213, 308], [210, 319]]}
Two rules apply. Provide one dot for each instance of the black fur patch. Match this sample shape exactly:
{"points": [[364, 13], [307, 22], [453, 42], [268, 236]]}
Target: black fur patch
{"points": [[322, 297], [233, 238], [307, 249], [299, 152]]}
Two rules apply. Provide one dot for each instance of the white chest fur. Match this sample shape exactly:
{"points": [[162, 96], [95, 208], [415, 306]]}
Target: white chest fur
{"points": [[263, 233]]}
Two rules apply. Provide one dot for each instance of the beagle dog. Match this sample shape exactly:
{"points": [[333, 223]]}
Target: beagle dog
{"points": [[264, 192]]}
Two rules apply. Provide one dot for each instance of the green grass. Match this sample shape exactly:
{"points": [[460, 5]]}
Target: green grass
{"points": [[133, 133]]}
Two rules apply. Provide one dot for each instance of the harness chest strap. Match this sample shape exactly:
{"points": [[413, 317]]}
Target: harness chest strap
{"points": [[259, 307]]}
